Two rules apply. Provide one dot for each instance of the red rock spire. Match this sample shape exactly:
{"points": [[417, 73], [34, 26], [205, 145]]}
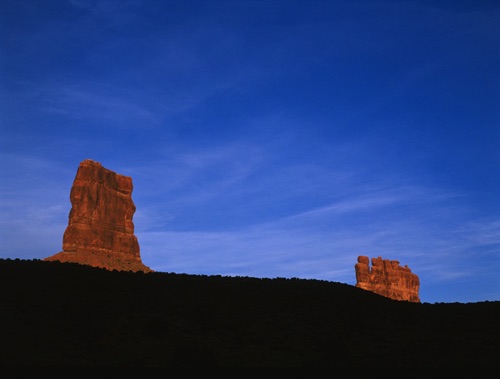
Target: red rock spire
{"points": [[100, 229]]}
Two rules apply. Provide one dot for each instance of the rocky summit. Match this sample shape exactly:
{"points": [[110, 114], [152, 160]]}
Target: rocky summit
{"points": [[100, 231], [387, 278]]}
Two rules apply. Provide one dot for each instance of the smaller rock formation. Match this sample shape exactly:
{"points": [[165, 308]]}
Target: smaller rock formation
{"points": [[387, 278], [100, 230]]}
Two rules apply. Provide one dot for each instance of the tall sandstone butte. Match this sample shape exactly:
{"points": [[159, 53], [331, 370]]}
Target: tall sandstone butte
{"points": [[387, 278], [100, 229]]}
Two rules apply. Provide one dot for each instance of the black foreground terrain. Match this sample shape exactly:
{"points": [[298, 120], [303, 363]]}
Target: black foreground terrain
{"points": [[64, 314]]}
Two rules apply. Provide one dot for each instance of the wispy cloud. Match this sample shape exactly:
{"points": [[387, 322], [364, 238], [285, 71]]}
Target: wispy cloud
{"points": [[363, 202], [34, 205], [193, 176], [246, 253], [484, 232], [306, 236], [106, 104], [265, 251], [417, 225]]}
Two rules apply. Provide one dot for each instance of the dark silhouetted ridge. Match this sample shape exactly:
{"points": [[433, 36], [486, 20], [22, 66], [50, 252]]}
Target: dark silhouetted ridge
{"points": [[67, 314]]}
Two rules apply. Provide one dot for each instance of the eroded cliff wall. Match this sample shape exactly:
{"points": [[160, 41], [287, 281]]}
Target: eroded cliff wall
{"points": [[387, 278]]}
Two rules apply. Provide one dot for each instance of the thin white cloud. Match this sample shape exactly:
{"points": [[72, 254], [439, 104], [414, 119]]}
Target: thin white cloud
{"points": [[106, 104], [484, 232], [414, 224], [243, 253], [316, 254], [281, 240], [34, 206], [191, 177]]}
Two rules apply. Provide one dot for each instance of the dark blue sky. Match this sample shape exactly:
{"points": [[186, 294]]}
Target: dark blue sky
{"points": [[264, 138]]}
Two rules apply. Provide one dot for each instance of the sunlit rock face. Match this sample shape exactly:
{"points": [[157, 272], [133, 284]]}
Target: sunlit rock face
{"points": [[100, 229], [387, 278]]}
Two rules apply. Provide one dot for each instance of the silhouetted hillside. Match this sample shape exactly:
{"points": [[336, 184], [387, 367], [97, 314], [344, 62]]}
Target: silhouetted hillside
{"points": [[56, 313]]}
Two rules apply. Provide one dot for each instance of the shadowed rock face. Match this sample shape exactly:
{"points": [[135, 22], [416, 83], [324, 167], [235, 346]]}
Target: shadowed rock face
{"points": [[100, 229], [387, 278]]}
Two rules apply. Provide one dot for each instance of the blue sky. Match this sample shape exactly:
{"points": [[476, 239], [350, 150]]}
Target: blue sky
{"points": [[264, 138]]}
